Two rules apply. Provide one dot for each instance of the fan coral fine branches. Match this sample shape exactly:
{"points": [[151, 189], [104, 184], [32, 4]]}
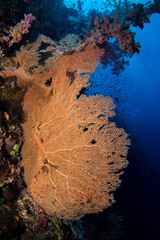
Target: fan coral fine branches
{"points": [[77, 155]]}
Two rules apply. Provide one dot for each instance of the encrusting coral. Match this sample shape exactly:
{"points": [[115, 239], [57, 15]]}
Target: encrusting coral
{"points": [[73, 155]]}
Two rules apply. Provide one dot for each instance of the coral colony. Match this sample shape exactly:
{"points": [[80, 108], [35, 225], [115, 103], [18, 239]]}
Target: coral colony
{"points": [[20, 29], [72, 155]]}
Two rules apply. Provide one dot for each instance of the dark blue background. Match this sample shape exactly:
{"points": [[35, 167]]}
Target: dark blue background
{"points": [[138, 90]]}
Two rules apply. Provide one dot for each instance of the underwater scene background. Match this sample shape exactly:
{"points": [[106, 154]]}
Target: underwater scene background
{"points": [[127, 71]]}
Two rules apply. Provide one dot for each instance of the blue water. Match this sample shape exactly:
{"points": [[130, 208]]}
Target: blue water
{"points": [[144, 94], [138, 90], [138, 87]]}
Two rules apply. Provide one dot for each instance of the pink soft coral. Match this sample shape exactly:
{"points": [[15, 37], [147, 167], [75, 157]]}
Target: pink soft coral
{"points": [[15, 34]]}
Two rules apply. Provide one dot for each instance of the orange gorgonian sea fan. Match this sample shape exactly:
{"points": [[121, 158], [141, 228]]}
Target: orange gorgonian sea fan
{"points": [[72, 154]]}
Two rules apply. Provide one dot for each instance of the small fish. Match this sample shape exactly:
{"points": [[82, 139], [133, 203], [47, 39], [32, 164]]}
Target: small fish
{"points": [[6, 207], [13, 169], [11, 63], [17, 218], [6, 115], [2, 87]]}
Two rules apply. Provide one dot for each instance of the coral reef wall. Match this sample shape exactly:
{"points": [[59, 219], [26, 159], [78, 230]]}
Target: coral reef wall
{"points": [[73, 155]]}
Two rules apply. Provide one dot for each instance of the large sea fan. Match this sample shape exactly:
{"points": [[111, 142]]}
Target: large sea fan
{"points": [[72, 154]]}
